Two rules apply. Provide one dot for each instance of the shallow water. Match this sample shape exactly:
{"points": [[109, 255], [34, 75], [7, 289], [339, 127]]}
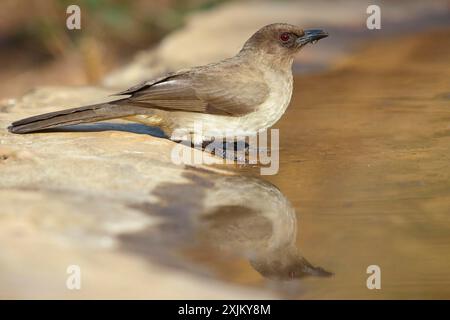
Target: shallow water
{"points": [[364, 180]]}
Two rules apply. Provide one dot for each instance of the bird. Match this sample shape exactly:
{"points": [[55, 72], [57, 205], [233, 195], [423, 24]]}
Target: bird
{"points": [[238, 96]]}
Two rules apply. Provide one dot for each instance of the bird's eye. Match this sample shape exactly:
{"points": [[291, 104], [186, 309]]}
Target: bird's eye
{"points": [[285, 36]]}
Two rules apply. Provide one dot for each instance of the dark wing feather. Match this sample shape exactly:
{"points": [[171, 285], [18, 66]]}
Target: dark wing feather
{"points": [[231, 89], [175, 94], [146, 84]]}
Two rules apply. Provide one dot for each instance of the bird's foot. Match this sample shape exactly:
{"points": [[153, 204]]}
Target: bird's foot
{"points": [[233, 151]]}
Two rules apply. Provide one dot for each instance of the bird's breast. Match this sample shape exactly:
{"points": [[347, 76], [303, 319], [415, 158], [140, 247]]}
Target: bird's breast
{"points": [[271, 110]]}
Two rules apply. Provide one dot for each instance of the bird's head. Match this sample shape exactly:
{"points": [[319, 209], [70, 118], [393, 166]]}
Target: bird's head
{"points": [[282, 40]]}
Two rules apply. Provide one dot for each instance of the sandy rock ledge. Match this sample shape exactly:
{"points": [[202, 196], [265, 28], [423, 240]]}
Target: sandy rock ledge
{"points": [[68, 196]]}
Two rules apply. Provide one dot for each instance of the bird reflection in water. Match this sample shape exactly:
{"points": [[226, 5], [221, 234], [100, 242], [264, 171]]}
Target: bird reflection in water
{"points": [[235, 215], [256, 221]]}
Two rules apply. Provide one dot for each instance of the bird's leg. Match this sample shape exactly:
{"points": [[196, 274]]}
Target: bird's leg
{"points": [[229, 150], [241, 148]]}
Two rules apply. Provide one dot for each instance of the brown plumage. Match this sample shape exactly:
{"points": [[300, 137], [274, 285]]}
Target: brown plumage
{"points": [[242, 94]]}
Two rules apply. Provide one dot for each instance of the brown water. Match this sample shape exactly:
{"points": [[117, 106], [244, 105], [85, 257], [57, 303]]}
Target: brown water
{"points": [[364, 180]]}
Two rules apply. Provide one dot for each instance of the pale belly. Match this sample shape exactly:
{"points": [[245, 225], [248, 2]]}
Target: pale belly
{"points": [[188, 125]]}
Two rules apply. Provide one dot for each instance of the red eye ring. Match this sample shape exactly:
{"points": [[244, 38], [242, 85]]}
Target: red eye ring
{"points": [[285, 36]]}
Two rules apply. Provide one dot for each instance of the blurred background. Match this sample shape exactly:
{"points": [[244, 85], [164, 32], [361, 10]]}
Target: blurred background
{"points": [[38, 49]]}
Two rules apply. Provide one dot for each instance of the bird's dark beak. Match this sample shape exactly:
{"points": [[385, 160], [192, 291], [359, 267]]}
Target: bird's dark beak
{"points": [[311, 35]]}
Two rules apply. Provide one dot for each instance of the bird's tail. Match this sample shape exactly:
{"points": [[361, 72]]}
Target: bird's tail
{"points": [[92, 113]]}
